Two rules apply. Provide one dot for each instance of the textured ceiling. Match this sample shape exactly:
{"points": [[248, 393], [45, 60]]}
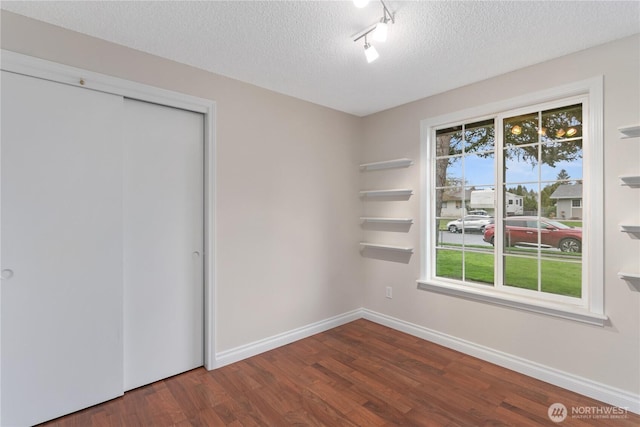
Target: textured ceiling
{"points": [[305, 48]]}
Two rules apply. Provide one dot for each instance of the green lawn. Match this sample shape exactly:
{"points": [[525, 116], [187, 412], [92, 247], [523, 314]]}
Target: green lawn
{"points": [[558, 277], [577, 224]]}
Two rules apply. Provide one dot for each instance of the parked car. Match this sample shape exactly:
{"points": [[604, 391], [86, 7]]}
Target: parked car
{"points": [[478, 212], [469, 222], [523, 230]]}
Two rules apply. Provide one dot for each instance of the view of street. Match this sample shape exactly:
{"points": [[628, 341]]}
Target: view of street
{"points": [[472, 238], [468, 237]]}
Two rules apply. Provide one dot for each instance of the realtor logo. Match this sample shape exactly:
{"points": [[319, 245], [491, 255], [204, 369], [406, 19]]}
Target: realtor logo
{"points": [[557, 412]]}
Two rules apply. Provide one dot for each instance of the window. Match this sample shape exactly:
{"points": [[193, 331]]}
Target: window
{"points": [[523, 162]]}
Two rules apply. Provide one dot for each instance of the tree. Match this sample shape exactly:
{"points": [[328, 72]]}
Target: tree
{"points": [[549, 204], [563, 175]]}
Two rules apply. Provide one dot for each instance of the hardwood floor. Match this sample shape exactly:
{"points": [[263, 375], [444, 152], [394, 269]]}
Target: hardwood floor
{"points": [[359, 374]]}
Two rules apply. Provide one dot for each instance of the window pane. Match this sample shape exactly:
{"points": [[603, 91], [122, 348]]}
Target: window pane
{"points": [[479, 136], [563, 235], [440, 228], [472, 228], [479, 169], [564, 201], [521, 235], [449, 264], [524, 196], [562, 278], [562, 123], [521, 130], [478, 268], [521, 272], [449, 172], [482, 200], [561, 160], [513, 202], [454, 200], [521, 164], [449, 141]]}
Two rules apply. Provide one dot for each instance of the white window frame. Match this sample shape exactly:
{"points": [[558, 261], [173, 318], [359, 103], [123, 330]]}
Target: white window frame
{"points": [[588, 309]]}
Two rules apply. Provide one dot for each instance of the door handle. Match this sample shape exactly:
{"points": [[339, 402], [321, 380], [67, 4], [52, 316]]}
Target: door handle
{"points": [[196, 254], [6, 274]]}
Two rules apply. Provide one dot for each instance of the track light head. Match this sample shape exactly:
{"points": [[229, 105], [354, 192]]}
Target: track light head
{"points": [[370, 52], [380, 33], [360, 3]]}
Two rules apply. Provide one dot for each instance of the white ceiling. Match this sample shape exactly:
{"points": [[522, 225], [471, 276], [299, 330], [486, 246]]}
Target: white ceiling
{"points": [[305, 48]]}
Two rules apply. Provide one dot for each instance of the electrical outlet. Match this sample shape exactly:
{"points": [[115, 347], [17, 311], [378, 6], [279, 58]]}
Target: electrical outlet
{"points": [[389, 292]]}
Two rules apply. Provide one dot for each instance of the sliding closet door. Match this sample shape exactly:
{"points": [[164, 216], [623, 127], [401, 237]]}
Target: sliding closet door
{"points": [[163, 250], [61, 225]]}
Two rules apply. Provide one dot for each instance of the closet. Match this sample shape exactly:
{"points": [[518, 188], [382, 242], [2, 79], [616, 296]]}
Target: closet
{"points": [[102, 242]]}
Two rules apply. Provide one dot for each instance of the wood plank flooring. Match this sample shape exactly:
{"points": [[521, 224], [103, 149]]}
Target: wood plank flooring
{"points": [[359, 374]]}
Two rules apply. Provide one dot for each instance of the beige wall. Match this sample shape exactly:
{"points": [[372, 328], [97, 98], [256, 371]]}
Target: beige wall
{"points": [[287, 206], [610, 354], [287, 187]]}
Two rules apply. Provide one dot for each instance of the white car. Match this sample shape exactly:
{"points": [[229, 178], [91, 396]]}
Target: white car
{"points": [[479, 212], [470, 222]]}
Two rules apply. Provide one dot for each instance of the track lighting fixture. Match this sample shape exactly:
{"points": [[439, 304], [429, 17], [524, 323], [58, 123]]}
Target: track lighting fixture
{"points": [[380, 31]]}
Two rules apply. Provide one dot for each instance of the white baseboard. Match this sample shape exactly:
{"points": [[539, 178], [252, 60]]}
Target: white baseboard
{"points": [[248, 350], [577, 384]]}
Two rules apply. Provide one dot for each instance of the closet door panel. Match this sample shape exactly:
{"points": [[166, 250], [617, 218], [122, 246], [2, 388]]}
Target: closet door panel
{"points": [[163, 214], [61, 242]]}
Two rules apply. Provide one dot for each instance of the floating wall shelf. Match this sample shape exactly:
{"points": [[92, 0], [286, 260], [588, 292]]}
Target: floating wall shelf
{"points": [[365, 245], [630, 228], [630, 181], [387, 220], [386, 193], [629, 131], [387, 164]]}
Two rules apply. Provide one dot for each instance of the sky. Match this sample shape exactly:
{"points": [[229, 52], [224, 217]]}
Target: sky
{"points": [[479, 171]]}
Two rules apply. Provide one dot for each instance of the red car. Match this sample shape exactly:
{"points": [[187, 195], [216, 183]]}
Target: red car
{"points": [[523, 230]]}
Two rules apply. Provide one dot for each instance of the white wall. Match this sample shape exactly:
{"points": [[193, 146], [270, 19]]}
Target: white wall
{"points": [[287, 187], [287, 205], [609, 355]]}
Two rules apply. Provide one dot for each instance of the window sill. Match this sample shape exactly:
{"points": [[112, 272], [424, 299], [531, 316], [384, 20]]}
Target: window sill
{"points": [[521, 303]]}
